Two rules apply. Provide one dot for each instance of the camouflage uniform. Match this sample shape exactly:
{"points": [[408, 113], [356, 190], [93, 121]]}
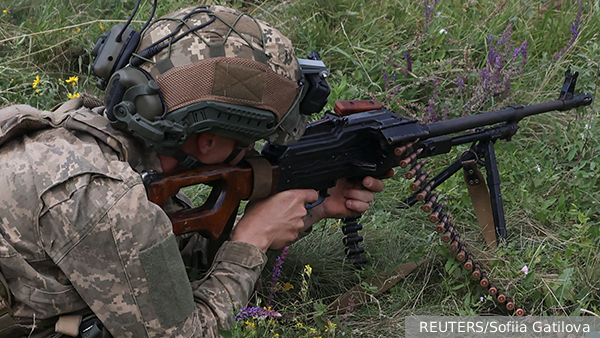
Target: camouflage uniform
{"points": [[79, 235]]}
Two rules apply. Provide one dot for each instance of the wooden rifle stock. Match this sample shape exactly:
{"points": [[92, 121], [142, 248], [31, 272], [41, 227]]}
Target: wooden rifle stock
{"points": [[230, 185], [348, 107]]}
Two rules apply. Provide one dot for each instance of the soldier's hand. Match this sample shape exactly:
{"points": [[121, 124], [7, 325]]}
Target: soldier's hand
{"points": [[347, 199], [274, 222]]}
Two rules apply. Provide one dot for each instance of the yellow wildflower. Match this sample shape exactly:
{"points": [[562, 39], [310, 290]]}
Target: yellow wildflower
{"points": [[101, 27], [307, 269], [276, 335], [313, 330], [299, 325], [72, 96], [59, 80], [12, 80], [72, 80], [5, 11], [36, 82], [287, 286], [251, 324]]}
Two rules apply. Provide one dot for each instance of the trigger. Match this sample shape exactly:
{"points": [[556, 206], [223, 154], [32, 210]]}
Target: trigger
{"points": [[322, 196]]}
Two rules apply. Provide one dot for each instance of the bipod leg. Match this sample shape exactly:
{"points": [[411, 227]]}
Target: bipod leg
{"points": [[479, 195], [493, 182]]}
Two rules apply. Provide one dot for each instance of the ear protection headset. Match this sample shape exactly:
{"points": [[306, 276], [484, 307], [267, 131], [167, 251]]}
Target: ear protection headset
{"points": [[113, 50], [134, 101]]}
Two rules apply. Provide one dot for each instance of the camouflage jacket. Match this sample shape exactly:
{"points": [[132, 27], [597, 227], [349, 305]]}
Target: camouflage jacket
{"points": [[79, 235]]}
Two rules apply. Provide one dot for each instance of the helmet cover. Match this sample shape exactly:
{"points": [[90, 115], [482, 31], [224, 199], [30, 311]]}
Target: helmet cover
{"points": [[219, 54]]}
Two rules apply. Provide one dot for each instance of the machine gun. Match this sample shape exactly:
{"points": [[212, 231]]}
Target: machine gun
{"points": [[360, 139]]}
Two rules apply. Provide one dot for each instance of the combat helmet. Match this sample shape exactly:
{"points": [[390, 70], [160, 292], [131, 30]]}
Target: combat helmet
{"points": [[205, 69]]}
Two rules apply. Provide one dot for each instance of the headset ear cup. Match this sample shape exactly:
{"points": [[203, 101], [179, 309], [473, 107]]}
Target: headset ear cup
{"points": [[112, 52], [137, 90], [114, 95]]}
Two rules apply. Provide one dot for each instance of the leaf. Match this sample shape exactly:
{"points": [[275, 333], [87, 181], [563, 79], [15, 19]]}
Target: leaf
{"points": [[548, 203], [467, 300], [582, 218], [225, 333], [565, 282], [458, 287], [451, 265], [320, 308], [561, 202], [529, 279], [571, 154]]}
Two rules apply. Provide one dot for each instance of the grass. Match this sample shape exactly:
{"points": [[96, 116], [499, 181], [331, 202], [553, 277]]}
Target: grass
{"points": [[423, 59]]}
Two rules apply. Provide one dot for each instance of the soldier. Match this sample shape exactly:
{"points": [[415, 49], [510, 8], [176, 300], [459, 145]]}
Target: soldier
{"points": [[82, 249]]}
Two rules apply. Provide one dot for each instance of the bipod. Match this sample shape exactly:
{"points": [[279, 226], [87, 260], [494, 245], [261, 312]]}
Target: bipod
{"points": [[481, 153]]}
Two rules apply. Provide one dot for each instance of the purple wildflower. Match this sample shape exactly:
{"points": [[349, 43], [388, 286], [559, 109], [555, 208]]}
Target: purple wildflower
{"points": [[433, 116], [276, 274], [428, 8], [256, 312], [575, 28], [431, 112], [523, 52], [506, 35], [408, 62], [387, 82], [574, 33], [492, 55], [504, 62], [484, 76], [446, 112], [461, 84]]}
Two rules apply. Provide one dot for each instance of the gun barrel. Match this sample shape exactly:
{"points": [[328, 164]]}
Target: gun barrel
{"points": [[512, 114]]}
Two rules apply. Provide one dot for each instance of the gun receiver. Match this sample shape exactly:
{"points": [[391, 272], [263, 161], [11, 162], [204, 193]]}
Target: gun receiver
{"points": [[364, 143]]}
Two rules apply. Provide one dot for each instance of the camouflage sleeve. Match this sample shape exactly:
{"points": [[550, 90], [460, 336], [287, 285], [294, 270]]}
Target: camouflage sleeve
{"points": [[235, 270], [118, 251]]}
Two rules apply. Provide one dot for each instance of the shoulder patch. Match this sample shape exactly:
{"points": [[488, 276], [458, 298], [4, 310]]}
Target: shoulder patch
{"points": [[170, 290]]}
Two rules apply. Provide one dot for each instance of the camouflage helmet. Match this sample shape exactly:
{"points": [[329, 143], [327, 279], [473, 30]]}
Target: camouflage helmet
{"points": [[222, 71]]}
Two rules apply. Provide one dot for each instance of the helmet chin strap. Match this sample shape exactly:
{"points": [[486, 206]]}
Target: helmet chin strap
{"points": [[234, 153]]}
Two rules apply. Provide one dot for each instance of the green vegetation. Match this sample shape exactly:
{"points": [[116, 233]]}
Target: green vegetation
{"points": [[424, 59]]}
